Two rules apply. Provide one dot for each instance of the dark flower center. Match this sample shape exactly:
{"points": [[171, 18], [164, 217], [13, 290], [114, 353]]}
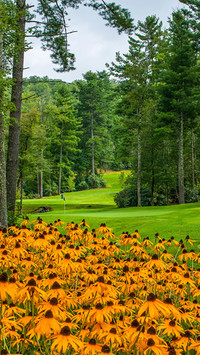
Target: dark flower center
{"points": [[99, 306], [155, 257], [65, 331], [113, 331], [105, 349], [3, 277], [54, 301], [48, 314], [151, 297], [55, 286], [92, 341], [12, 280], [150, 342], [100, 279], [168, 301], [151, 331], [187, 275], [109, 303], [31, 282], [135, 323], [172, 323], [67, 256], [125, 268]]}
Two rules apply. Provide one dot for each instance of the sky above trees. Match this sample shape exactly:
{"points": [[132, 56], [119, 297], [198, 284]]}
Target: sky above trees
{"points": [[94, 44]]}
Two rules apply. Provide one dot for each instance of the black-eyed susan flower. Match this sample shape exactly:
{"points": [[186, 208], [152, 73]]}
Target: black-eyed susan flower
{"points": [[65, 340], [46, 325], [170, 328], [91, 347], [153, 306]]}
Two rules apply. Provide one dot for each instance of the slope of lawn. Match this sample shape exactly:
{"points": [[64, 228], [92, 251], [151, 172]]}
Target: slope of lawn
{"points": [[97, 206]]}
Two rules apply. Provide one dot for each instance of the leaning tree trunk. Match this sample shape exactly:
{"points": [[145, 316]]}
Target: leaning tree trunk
{"points": [[139, 164], [16, 98], [92, 138], [3, 198], [181, 164]]}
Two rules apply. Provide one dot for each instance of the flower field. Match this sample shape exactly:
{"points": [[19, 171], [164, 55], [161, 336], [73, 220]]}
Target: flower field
{"points": [[69, 289]]}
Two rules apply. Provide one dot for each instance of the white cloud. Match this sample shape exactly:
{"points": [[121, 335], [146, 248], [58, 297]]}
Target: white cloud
{"points": [[94, 44]]}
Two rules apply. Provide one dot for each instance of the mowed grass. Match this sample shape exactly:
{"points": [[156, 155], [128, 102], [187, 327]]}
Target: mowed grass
{"points": [[97, 206]]}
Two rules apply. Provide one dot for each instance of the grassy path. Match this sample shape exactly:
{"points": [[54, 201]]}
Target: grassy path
{"points": [[97, 206]]}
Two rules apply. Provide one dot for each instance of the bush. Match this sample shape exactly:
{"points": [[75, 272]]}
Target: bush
{"points": [[191, 194], [159, 199], [128, 197], [82, 185]]}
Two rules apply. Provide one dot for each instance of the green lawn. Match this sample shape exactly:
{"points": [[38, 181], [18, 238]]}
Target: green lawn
{"points": [[97, 206]]}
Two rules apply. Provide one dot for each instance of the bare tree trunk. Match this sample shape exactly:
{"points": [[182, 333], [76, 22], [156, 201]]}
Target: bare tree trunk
{"points": [[60, 171], [193, 156], [16, 97], [139, 164], [41, 177], [181, 165], [92, 138], [38, 183], [3, 197], [21, 193], [50, 193], [152, 176]]}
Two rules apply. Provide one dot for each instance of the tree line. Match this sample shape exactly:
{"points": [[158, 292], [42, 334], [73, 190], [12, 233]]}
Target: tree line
{"points": [[141, 114], [19, 22]]}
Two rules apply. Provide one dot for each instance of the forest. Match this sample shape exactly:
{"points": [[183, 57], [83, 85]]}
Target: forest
{"points": [[140, 114]]}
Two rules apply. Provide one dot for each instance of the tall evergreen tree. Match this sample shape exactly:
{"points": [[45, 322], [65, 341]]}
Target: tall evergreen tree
{"points": [[180, 78]]}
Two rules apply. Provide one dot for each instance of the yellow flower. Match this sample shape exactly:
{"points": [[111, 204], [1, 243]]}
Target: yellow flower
{"points": [[153, 306], [45, 326], [65, 340], [153, 348], [91, 348], [170, 327]]}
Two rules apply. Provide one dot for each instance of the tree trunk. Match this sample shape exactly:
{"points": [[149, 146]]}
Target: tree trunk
{"points": [[152, 176], [21, 194], [41, 177], [193, 156], [38, 183], [16, 98], [50, 193], [60, 171], [139, 164], [3, 197], [181, 164], [92, 146]]}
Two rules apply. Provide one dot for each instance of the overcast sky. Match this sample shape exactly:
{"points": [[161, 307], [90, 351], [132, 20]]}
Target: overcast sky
{"points": [[95, 44]]}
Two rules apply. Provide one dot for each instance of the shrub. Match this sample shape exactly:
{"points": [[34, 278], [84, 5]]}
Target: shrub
{"points": [[95, 181], [82, 185], [128, 197], [191, 194]]}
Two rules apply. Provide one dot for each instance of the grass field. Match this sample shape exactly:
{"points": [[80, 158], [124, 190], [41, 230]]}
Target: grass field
{"points": [[97, 206]]}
